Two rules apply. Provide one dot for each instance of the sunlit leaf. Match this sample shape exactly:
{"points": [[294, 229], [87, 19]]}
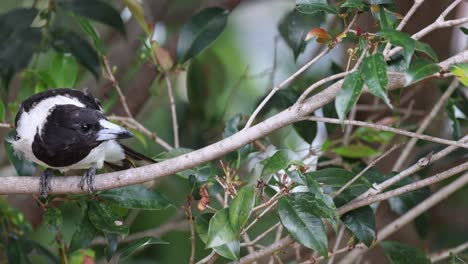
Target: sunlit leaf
{"points": [[374, 73], [138, 12], [200, 31], [401, 39], [64, 71], [374, 136], [304, 226], [278, 161], [348, 95], [402, 254], [461, 71], [356, 151], [419, 70], [322, 36], [359, 5], [241, 207]]}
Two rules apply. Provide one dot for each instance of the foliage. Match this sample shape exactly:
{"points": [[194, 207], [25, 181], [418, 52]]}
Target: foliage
{"points": [[278, 179]]}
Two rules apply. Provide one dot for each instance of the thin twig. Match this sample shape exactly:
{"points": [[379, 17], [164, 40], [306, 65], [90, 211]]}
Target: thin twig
{"points": [[349, 128], [115, 83], [389, 129], [207, 258], [262, 235], [188, 211], [441, 255], [5, 125], [407, 188], [337, 243], [425, 123], [175, 125], [364, 170], [133, 124], [259, 217]]}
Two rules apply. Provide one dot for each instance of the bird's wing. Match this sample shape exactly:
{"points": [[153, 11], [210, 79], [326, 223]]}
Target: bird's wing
{"points": [[130, 157]]}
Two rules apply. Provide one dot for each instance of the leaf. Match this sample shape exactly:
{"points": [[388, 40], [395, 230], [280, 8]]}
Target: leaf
{"points": [[23, 167], [232, 126], [220, 230], [83, 236], [464, 30], [19, 41], [64, 71], [450, 109], [89, 29], [426, 48], [294, 27], [348, 95], [136, 197], [305, 227], [138, 244], [200, 31], [278, 161], [51, 258], [314, 6], [53, 219], [85, 256], [2, 111], [97, 10], [322, 204], [374, 73], [461, 71], [112, 243], [67, 41], [16, 251], [306, 129], [105, 219], [230, 250], [361, 223], [322, 36], [419, 70], [403, 40], [359, 5], [138, 12], [357, 151], [402, 254], [374, 136], [241, 207]]}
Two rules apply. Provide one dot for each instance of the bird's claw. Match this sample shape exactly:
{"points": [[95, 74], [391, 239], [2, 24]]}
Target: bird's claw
{"points": [[44, 183], [88, 179]]}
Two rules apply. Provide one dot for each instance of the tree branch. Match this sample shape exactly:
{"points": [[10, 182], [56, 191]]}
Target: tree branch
{"points": [[438, 256], [70, 184]]}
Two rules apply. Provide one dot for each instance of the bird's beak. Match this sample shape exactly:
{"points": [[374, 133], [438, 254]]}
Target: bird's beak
{"points": [[111, 131]]}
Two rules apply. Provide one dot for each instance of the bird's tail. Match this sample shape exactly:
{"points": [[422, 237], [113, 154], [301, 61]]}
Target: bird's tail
{"points": [[131, 156]]}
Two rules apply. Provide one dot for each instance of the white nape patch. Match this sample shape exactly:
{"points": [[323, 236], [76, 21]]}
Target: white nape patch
{"points": [[32, 121]]}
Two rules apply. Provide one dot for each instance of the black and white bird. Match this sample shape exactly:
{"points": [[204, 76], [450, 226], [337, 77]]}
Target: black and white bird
{"points": [[65, 129]]}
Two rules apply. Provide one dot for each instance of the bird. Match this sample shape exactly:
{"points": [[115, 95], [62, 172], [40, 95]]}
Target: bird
{"points": [[65, 129]]}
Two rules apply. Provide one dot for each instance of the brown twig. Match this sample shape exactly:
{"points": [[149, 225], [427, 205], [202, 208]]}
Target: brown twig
{"points": [[115, 83], [175, 125]]}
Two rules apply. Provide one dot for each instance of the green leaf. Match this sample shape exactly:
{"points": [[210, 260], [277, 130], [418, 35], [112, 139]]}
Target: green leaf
{"points": [[105, 219], [64, 71], [402, 254], [382, 2], [138, 244], [138, 12], [425, 48], [419, 70], [450, 109], [295, 26], [361, 223], [41, 250], [280, 160], [314, 6], [200, 31], [464, 30], [83, 236], [374, 136], [112, 243], [220, 230], [304, 226], [241, 207], [230, 250], [67, 41], [374, 73], [136, 197], [359, 5], [232, 126], [461, 71], [53, 219], [322, 204], [403, 40], [348, 95], [16, 251], [89, 29], [306, 129], [97, 10], [23, 167], [19, 41], [357, 151], [81, 256]]}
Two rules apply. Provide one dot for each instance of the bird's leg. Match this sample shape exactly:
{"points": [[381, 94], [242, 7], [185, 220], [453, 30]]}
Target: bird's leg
{"points": [[44, 182], [88, 178]]}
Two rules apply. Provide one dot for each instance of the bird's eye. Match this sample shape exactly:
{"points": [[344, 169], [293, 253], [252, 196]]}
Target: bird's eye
{"points": [[85, 128]]}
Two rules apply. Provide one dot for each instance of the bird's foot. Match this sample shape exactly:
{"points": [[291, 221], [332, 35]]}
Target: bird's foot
{"points": [[44, 182], [88, 179]]}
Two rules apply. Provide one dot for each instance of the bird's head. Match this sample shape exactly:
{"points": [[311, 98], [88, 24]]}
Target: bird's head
{"points": [[79, 125]]}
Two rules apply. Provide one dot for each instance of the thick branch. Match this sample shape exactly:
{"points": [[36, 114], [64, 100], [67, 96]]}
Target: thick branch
{"points": [[69, 184]]}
